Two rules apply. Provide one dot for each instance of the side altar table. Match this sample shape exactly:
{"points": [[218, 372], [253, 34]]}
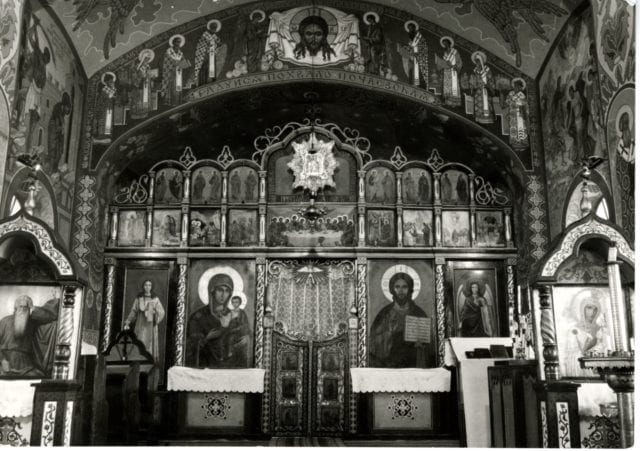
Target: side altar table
{"points": [[402, 401], [216, 401]]}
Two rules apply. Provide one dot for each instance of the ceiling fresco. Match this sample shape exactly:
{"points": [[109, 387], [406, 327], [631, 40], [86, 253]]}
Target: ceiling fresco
{"points": [[518, 31]]}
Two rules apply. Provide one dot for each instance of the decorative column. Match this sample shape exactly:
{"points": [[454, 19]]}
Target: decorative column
{"points": [[113, 228], [262, 208], [261, 290], [186, 185], [110, 280], [441, 314], [262, 187], [181, 312], [438, 229], [65, 332], [361, 185], [436, 188], [398, 186], [547, 332], [621, 380], [399, 226], [152, 187], [147, 238], [225, 177], [508, 234], [267, 359], [472, 217], [361, 226], [511, 294], [353, 362], [262, 229], [618, 308], [361, 306], [472, 189], [184, 228], [223, 226]]}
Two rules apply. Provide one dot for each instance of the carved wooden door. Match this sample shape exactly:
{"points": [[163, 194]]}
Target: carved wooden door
{"points": [[310, 353], [311, 382]]}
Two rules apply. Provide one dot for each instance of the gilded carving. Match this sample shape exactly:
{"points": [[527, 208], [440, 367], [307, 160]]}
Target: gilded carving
{"points": [[440, 311], [181, 313], [591, 227], [108, 306], [261, 280], [44, 240], [362, 313]]}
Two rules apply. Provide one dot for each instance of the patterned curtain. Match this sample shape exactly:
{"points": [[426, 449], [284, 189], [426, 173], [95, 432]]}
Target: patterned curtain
{"points": [[311, 299]]}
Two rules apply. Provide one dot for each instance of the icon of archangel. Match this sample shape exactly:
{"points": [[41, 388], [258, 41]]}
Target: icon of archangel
{"points": [[311, 35], [313, 164]]}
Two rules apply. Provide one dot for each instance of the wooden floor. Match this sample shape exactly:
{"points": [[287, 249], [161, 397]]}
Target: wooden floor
{"points": [[317, 442]]}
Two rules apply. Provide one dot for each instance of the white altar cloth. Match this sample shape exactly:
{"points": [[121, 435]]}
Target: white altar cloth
{"points": [[400, 380], [16, 397], [245, 380]]}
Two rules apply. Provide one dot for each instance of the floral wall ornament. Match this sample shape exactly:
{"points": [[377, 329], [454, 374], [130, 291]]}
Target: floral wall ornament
{"points": [[313, 164]]}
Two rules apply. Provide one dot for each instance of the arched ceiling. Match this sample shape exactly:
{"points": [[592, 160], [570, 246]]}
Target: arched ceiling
{"points": [[209, 126], [520, 32]]}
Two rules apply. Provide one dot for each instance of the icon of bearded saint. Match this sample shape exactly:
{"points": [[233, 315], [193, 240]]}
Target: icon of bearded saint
{"points": [[313, 35], [27, 338]]}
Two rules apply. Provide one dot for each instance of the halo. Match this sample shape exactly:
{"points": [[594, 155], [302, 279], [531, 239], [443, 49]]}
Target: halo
{"points": [[393, 270], [370, 13], [179, 36], [624, 109], [214, 21], [577, 301], [242, 296], [521, 80], [260, 12], [446, 38], [409, 22], [203, 283], [479, 54], [145, 52], [108, 73]]}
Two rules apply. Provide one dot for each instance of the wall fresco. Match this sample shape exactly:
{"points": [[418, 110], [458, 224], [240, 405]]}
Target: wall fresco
{"points": [[615, 49], [103, 32], [571, 111], [240, 48], [48, 107]]}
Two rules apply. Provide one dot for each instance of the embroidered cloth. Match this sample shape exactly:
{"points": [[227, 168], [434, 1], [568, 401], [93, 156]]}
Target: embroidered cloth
{"points": [[400, 380], [249, 380], [16, 398]]}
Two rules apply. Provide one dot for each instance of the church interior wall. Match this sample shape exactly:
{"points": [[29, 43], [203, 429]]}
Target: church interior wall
{"points": [[460, 164]]}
